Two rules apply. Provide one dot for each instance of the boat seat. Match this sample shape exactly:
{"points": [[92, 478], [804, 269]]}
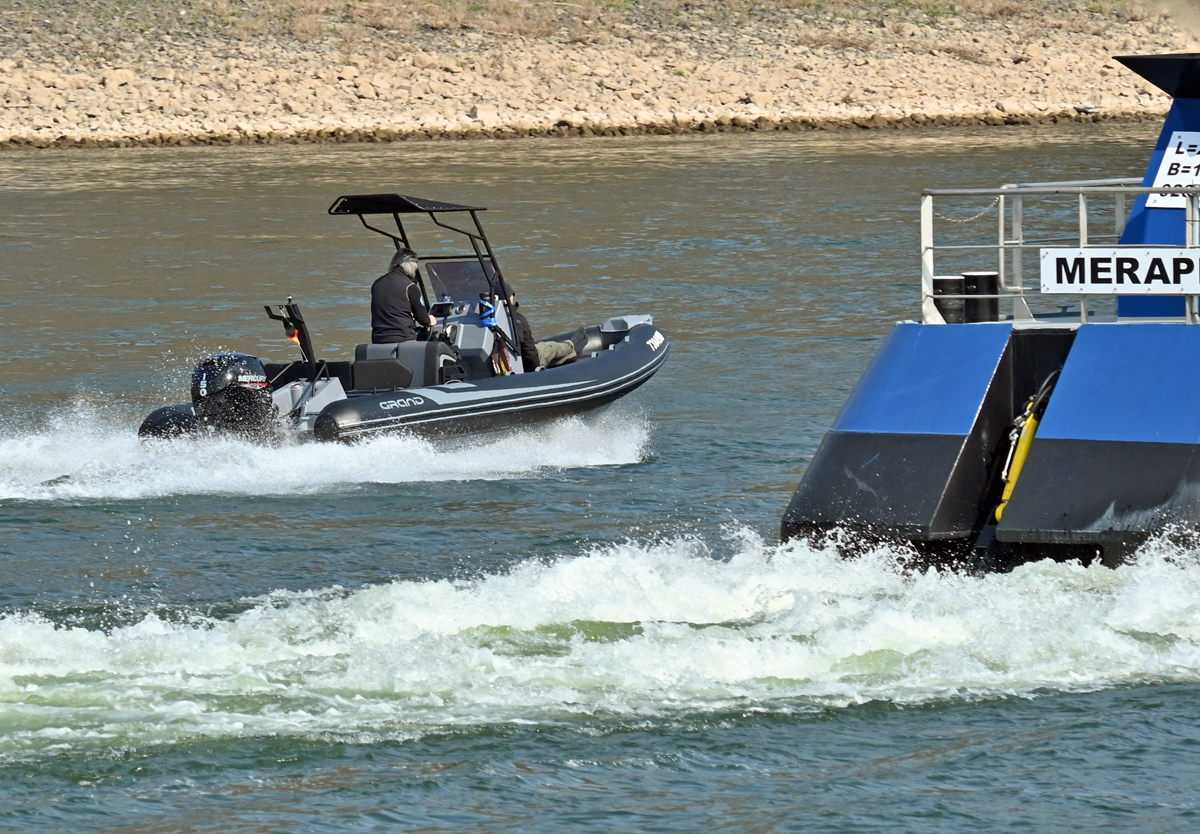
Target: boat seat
{"points": [[374, 374], [366, 352], [423, 363], [620, 325]]}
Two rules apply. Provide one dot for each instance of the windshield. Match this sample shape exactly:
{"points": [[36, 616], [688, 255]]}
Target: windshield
{"points": [[459, 280]]}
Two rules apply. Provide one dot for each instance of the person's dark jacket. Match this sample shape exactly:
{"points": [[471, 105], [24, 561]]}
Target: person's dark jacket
{"points": [[396, 307], [529, 354]]}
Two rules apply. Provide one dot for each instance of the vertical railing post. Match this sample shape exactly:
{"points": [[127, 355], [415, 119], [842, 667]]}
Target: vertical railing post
{"points": [[1018, 239], [1119, 216], [1017, 288], [1193, 229], [929, 310], [1083, 220], [1001, 250], [1083, 242]]}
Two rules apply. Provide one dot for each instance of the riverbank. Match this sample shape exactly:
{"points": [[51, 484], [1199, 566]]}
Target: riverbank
{"points": [[652, 68]]}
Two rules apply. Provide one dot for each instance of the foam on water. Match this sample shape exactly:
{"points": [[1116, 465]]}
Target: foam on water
{"points": [[624, 632], [82, 455]]}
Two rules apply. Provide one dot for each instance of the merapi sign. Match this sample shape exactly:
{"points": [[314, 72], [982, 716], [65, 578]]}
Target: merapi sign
{"points": [[1160, 270]]}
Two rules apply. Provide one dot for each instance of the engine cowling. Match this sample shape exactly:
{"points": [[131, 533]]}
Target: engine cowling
{"points": [[230, 393]]}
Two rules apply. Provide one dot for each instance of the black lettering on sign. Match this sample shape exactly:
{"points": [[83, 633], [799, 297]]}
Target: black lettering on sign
{"points": [[1127, 269], [1183, 266], [1101, 270], [1071, 269], [1157, 272]]}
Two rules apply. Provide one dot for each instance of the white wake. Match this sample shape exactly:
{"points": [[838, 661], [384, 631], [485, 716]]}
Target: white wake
{"points": [[81, 456], [628, 631]]}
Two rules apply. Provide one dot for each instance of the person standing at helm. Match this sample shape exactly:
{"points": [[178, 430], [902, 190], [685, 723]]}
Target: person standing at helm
{"points": [[396, 303]]}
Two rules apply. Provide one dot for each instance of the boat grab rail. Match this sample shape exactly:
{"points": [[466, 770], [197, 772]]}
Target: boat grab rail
{"points": [[1011, 241]]}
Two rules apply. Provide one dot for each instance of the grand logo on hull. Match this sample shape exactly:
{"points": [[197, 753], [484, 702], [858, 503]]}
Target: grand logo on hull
{"points": [[404, 402]]}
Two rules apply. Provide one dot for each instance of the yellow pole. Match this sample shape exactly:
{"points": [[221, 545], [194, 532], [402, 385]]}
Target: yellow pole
{"points": [[1023, 444]]}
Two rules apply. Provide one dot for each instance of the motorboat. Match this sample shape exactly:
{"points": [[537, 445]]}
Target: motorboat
{"points": [[464, 376], [1021, 417]]}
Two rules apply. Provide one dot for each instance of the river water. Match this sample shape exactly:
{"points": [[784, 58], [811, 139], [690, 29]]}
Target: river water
{"points": [[589, 626]]}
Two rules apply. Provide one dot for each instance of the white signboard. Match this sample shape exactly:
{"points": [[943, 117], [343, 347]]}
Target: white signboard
{"points": [[1161, 270], [1180, 168]]}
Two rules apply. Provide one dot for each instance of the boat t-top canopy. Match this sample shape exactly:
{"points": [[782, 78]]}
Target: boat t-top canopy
{"points": [[477, 269], [361, 204]]}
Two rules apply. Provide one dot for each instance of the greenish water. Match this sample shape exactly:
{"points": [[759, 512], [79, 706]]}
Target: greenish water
{"points": [[585, 627]]}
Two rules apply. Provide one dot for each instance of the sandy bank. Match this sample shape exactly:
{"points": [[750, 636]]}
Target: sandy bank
{"points": [[791, 69]]}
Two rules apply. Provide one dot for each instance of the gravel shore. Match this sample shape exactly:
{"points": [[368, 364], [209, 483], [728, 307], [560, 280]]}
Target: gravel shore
{"points": [[85, 81]]}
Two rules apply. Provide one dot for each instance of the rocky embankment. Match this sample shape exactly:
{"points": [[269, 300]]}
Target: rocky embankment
{"points": [[792, 69]]}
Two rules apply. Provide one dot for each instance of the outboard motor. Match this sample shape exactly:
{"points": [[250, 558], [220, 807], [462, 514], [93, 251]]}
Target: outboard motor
{"points": [[230, 392]]}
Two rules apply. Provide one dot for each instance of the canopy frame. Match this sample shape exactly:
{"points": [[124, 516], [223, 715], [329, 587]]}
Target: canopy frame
{"points": [[362, 205]]}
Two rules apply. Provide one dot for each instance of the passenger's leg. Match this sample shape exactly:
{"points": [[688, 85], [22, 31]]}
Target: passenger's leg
{"points": [[551, 354]]}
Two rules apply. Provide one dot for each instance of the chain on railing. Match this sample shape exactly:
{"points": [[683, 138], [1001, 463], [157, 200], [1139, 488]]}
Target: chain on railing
{"points": [[973, 217]]}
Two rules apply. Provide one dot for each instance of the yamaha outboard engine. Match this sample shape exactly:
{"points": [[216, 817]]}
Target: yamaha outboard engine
{"points": [[230, 392]]}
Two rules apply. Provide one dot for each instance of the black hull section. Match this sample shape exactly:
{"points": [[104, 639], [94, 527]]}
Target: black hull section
{"points": [[908, 486], [1110, 494], [501, 403]]}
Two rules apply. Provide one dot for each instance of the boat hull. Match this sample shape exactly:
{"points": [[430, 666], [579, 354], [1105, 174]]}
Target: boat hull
{"points": [[498, 403]]}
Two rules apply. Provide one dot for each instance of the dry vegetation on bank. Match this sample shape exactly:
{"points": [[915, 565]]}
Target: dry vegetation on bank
{"points": [[144, 72], [377, 22]]}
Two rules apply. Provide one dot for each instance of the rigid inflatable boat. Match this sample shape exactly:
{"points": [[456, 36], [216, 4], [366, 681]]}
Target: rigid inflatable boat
{"points": [[1018, 421], [465, 377]]}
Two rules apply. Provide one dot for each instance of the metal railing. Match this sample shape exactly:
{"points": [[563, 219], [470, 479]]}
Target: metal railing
{"points": [[1013, 241]]}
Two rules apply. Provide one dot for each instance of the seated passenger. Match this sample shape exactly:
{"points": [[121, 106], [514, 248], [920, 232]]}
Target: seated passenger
{"points": [[536, 355], [396, 303]]}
